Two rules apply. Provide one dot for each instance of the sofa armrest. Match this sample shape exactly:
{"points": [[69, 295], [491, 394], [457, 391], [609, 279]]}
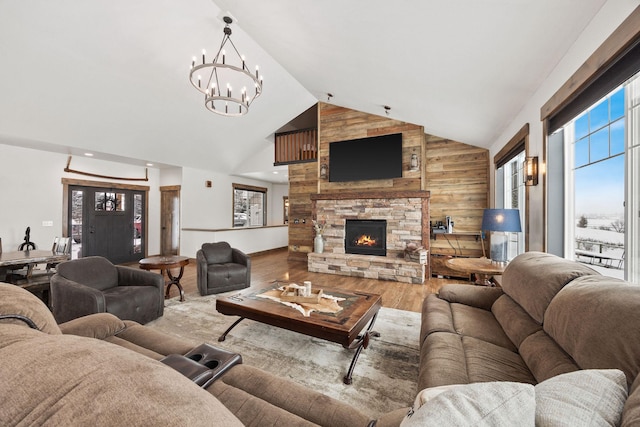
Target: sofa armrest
{"points": [[71, 299], [129, 276], [202, 266], [474, 296], [240, 257], [98, 325]]}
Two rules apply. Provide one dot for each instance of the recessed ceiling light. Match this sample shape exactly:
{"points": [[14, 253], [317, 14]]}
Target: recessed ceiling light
{"points": [[88, 154], [149, 164], [275, 172]]}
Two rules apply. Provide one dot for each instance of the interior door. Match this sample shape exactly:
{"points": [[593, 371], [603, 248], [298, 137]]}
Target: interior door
{"points": [[170, 220]]}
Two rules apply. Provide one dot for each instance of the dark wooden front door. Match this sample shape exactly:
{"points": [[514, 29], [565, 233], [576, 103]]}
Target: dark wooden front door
{"points": [[112, 223]]}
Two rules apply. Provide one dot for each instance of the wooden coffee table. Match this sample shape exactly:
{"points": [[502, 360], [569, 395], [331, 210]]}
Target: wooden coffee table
{"points": [[359, 312], [163, 263]]}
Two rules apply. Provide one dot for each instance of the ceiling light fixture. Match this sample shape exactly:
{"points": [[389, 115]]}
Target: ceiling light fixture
{"points": [[228, 86]]}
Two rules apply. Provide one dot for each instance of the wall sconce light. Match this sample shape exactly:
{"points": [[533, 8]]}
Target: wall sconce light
{"points": [[324, 171], [531, 171], [414, 165]]}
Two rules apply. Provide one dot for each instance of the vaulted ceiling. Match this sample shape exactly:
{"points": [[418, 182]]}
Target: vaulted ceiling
{"points": [[111, 76]]}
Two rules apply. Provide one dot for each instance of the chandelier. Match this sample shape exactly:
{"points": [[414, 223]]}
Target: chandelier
{"points": [[228, 86]]}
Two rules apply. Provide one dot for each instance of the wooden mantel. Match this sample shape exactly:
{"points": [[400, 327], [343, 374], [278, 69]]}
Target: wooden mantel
{"points": [[371, 195]]}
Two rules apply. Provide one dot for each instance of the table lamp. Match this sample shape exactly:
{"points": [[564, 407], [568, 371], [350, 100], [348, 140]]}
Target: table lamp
{"points": [[500, 222]]}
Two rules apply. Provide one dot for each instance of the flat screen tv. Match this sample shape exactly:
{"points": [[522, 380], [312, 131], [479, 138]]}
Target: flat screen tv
{"points": [[378, 157]]}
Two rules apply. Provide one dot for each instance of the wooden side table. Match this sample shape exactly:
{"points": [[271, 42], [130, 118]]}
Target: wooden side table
{"points": [[482, 268], [166, 263]]}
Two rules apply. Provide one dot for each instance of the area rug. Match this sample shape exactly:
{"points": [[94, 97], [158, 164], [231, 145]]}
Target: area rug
{"points": [[384, 378]]}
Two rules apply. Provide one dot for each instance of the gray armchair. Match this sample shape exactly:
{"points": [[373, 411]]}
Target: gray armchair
{"points": [[222, 268], [94, 285]]}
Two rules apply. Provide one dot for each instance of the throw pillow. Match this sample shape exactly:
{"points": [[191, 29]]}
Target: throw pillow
{"points": [[478, 404], [585, 398]]}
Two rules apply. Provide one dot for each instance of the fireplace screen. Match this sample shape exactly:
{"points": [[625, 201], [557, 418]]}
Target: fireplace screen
{"points": [[366, 237]]}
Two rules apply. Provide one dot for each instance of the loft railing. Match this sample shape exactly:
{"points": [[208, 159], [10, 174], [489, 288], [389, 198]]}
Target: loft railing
{"points": [[296, 146]]}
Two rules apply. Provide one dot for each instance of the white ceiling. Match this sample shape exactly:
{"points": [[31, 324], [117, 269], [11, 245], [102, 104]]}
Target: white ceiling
{"points": [[111, 76]]}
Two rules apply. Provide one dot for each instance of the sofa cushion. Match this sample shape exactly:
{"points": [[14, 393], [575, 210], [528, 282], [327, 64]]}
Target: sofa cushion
{"points": [[217, 253], [97, 325], [72, 380], [17, 301], [631, 412], [226, 274], [481, 404], [532, 279], [133, 302], [596, 321], [447, 358], [515, 322], [479, 323], [439, 315], [544, 357], [586, 398], [94, 271], [260, 399]]}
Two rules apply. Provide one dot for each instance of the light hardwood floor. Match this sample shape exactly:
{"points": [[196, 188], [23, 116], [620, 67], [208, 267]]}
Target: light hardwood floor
{"points": [[265, 268]]}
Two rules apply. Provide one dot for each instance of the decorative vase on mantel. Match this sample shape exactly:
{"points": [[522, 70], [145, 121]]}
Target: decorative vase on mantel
{"points": [[318, 244]]}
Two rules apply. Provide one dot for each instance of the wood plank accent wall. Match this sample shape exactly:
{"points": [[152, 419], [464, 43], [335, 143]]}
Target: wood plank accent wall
{"points": [[457, 177], [303, 182], [341, 124]]}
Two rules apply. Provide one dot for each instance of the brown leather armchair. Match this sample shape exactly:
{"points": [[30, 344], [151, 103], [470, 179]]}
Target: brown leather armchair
{"points": [[94, 285], [222, 268]]}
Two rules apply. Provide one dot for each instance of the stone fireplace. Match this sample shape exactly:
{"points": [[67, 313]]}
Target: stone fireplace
{"points": [[406, 218]]}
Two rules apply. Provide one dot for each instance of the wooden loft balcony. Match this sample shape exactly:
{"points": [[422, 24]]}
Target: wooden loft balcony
{"points": [[299, 146]]}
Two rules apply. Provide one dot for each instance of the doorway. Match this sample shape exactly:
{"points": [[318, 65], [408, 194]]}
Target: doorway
{"points": [[170, 220], [107, 221]]}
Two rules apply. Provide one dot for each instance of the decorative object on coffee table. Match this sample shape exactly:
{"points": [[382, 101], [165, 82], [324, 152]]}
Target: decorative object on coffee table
{"points": [[295, 293]]}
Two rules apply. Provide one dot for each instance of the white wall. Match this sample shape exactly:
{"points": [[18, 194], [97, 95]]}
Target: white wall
{"points": [[604, 23], [31, 192], [212, 208]]}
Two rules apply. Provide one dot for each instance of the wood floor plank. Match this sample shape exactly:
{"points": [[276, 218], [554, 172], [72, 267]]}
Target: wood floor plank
{"points": [[274, 265]]}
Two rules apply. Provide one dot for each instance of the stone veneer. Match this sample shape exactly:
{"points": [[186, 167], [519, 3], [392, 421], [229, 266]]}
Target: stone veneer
{"points": [[407, 216]]}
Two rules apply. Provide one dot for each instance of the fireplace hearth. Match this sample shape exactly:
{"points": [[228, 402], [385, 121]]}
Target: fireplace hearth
{"points": [[366, 237]]}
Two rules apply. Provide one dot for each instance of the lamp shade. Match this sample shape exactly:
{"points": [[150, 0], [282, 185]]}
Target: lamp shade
{"points": [[501, 220]]}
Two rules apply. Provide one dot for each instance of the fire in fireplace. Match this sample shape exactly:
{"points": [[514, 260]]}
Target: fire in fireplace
{"points": [[366, 237]]}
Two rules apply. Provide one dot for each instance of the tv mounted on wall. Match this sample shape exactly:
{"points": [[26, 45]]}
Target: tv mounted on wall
{"points": [[378, 157]]}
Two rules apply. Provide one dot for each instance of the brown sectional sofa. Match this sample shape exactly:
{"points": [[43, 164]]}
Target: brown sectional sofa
{"points": [[552, 316]]}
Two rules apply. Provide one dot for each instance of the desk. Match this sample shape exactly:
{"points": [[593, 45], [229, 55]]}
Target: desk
{"points": [[30, 259], [482, 268], [166, 263]]}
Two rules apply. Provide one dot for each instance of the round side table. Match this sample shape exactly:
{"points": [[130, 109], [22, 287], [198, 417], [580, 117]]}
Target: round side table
{"points": [[166, 263]]}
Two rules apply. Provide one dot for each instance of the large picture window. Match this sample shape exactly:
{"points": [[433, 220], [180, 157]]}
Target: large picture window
{"points": [[249, 206]]}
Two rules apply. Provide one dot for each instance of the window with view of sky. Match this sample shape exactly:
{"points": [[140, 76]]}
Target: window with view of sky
{"points": [[598, 140]]}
